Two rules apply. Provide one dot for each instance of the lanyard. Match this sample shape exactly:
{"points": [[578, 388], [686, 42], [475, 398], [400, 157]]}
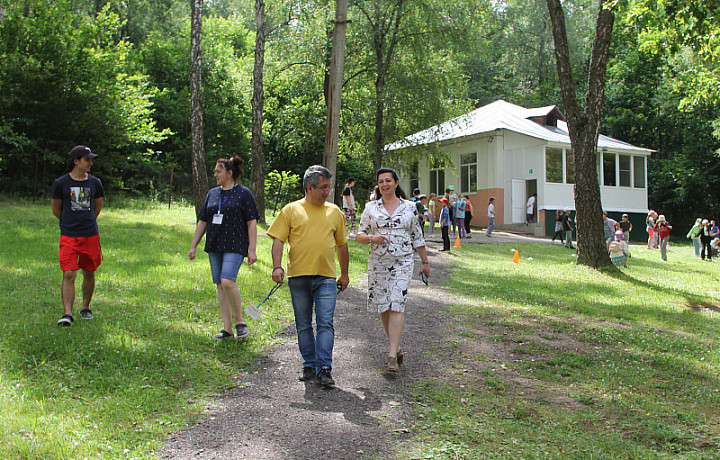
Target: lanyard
{"points": [[220, 203], [272, 291]]}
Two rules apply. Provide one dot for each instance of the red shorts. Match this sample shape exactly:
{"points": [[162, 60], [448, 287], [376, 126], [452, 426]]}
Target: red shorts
{"points": [[80, 252]]}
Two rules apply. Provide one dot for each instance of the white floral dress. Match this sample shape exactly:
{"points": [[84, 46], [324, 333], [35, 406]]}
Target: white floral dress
{"points": [[390, 265]]}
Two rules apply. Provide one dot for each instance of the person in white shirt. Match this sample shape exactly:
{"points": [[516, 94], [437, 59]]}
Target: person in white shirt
{"points": [[530, 209], [491, 216]]}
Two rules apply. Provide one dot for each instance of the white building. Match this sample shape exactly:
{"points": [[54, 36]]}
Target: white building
{"points": [[510, 152]]}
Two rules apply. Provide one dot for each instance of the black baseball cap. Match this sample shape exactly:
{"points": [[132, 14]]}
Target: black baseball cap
{"points": [[81, 151]]}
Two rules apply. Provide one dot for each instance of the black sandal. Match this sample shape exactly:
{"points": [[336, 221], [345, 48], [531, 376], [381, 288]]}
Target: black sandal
{"points": [[222, 335]]}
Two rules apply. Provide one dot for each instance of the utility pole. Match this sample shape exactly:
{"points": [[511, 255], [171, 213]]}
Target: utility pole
{"points": [[332, 126]]}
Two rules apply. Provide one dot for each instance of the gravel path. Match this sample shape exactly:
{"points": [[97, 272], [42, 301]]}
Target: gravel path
{"points": [[271, 415]]}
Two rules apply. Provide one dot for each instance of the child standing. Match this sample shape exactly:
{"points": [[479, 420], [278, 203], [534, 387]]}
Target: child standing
{"points": [[558, 226], [619, 252], [445, 223], [662, 228]]}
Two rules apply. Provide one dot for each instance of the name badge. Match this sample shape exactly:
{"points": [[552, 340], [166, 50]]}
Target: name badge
{"points": [[217, 219]]}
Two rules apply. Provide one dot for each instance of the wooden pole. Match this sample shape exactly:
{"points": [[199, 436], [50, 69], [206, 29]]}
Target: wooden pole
{"points": [[332, 126]]}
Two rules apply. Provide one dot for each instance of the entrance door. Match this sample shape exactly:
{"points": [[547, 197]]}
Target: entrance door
{"points": [[518, 201], [530, 188]]}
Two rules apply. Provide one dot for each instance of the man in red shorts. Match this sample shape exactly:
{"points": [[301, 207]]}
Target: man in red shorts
{"points": [[76, 201]]}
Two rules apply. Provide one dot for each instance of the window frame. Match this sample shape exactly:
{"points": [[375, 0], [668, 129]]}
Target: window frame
{"points": [[466, 186]]}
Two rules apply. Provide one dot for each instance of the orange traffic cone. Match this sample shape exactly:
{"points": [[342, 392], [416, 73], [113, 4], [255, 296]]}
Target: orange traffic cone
{"points": [[457, 242], [516, 257]]}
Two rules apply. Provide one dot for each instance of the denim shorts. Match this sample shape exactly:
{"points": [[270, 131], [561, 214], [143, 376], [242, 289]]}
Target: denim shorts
{"points": [[225, 265]]}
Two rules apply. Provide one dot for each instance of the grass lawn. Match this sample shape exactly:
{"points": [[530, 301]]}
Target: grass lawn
{"points": [[548, 359], [545, 359], [115, 386]]}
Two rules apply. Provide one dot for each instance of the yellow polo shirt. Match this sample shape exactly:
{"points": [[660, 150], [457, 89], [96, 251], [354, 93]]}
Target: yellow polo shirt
{"points": [[312, 234]]}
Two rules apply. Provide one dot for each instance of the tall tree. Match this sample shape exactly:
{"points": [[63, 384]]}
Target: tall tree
{"points": [[407, 49], [334, 91], [200, 179], [584, 127], [257, 175]]}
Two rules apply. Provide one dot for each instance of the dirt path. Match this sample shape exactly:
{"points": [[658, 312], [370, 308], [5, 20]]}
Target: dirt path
{"points": [[271, 415]]}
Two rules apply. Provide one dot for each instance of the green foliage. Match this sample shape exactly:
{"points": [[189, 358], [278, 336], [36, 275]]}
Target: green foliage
{"points": [[281, 188], [66, 80], [643, 107]]}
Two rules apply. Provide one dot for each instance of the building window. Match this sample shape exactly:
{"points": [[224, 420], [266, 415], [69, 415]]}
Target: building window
{"points": [[468, 173], [414, 177], [609, 169], [437, 181], [554, 165], [569, 167], [624, 170], [639, 171]]}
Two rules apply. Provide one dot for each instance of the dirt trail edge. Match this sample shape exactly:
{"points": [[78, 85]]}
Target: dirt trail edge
{"points": [[272, 415]]}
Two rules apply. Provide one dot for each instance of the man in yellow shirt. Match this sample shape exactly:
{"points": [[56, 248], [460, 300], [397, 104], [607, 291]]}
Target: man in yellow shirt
{"points": [[314, 230]]}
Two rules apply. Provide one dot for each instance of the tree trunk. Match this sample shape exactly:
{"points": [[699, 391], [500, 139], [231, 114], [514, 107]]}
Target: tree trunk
{"points": [[334, 92], [257, 174], [379, 136], [584, 128], [200, 179]]}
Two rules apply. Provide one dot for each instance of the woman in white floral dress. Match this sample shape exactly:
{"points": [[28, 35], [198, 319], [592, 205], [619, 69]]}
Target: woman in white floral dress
{"points": [[390, 226]]}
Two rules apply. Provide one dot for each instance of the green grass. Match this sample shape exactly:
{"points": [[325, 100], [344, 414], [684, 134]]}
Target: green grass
{"points": [[146, 366], [583, 363], [544, 359]]}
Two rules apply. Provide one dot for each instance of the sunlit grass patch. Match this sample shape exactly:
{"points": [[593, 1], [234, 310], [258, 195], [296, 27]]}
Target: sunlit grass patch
{"points": [[115, 386], [576, 363]]}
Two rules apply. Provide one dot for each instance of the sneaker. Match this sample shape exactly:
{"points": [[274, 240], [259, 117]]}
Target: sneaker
{"points": [[85, 313], [308, 373], [222, 335], [66, 320], [325, 378], [242, 330]]}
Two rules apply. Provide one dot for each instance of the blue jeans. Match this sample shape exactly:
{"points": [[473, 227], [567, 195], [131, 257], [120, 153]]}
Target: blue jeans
{"points": [[316, 349], [491, 225], [697, 244], [225, 265]]}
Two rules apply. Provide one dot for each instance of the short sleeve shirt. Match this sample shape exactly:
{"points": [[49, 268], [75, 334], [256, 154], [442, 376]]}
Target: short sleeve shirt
{"points": [[312, 233], [460, 209], [348, 198], [78, 204], [237, 207]]}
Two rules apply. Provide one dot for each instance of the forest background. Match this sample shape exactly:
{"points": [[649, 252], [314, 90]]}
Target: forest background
{"points": [[115, 75]]}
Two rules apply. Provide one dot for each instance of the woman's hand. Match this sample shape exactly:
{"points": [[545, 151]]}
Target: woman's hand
{"points": [[425, 269], [378, 239]]}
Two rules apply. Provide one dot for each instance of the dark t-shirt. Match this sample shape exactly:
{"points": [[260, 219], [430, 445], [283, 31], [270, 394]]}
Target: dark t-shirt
{"points": [[237, 206], [624, 225], [567, 222], [78, 204]]}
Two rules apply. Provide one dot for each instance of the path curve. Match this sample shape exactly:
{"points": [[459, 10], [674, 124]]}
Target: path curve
{"points": [[271, 415]]}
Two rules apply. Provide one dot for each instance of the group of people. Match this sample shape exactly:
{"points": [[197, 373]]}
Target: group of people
{"points": [[705, 236], [564, 227], [315, 231], [313, 228]]}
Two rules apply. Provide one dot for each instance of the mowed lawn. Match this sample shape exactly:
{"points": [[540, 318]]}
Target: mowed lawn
{"points": [[544, 359], [115, 386], [548, 359]]}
